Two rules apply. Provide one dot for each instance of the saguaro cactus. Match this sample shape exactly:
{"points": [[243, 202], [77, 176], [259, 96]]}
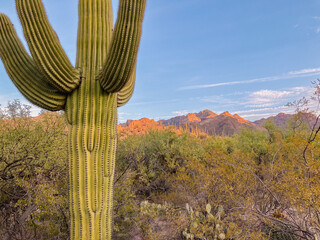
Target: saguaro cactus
{"points": [[89, 93]]}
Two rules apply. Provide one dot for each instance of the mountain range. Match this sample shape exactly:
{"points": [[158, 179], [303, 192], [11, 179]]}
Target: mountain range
{"points": [[207, 122], [211, 123]]}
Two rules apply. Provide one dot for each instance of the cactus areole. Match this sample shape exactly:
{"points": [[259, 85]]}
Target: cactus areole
{"points": [[89, 93]]}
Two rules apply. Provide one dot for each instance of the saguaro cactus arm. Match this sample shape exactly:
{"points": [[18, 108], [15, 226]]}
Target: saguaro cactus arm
{"points": [[45, 47], [126, 92], [49, 80], [23, 72], [122, 54]]}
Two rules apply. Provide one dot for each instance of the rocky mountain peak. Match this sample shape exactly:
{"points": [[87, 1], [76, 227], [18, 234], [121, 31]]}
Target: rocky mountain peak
{"points": [[192, 117], [205, 114], [226, 113], [240, 119]]}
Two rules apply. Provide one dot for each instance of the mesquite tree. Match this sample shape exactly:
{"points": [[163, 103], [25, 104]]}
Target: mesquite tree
{"points": [[89, 93]]}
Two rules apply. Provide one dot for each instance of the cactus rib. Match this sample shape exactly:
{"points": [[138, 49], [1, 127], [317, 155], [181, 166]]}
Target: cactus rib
{"points": [[23, 72], [126, 92], [122, 54]]}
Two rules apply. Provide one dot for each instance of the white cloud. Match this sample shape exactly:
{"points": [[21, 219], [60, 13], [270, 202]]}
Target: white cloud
{"points": [[266, 97], [123, 117], [261, 103], [262, 110], [305, 71], [270, 94], [270, 98], [290, 75], [123, 114], [266, 103], [262, 100], [256, 116], [180, 113], [317, 29], [164, 117]]}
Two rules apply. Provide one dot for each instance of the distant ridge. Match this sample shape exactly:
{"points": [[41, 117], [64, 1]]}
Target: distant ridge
{"points": [[282, 119], [224, 124], [138, 126], [205, 121], [209, 123], [189, 118]]}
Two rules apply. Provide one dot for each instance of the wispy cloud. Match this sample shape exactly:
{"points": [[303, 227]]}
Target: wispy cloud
{"points": [[257, 104], [269, 98], [123, 117], [271, 94], [264, 98], [262, 110], [317, 29], [305, 71], [266, 103], [180, 113], [256, 116], [293, 74]]}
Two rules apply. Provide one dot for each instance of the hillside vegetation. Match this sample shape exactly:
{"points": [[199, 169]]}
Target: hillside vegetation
{"points": [[169, 185]]}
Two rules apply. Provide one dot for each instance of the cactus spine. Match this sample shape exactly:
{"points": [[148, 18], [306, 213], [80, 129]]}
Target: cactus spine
{"points": [[89, 93]]}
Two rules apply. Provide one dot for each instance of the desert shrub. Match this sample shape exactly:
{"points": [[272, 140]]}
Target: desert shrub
{"points": [[33, 175], [265, 181], [259, 177]]}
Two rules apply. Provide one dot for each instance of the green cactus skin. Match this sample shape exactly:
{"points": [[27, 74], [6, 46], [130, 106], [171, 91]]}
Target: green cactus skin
{"points": [[23, 71], [89, 93]]}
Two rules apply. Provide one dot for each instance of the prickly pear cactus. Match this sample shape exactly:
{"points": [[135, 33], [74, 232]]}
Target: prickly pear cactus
{"points": [[89, 93], [204, 226]]}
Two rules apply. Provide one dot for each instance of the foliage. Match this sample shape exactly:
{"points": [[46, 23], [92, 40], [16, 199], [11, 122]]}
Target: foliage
{"points": [[254, 185], [33, 170]]}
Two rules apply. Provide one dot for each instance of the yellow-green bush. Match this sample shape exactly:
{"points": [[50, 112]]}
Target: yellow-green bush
{"points": [[260, 179]]}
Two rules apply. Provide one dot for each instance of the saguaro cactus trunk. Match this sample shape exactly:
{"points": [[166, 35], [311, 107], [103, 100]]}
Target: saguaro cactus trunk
{"points": [[102, 80]]}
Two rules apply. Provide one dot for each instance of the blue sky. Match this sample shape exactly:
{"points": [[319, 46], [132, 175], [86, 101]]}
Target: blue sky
{"points": [[249, 57]]}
